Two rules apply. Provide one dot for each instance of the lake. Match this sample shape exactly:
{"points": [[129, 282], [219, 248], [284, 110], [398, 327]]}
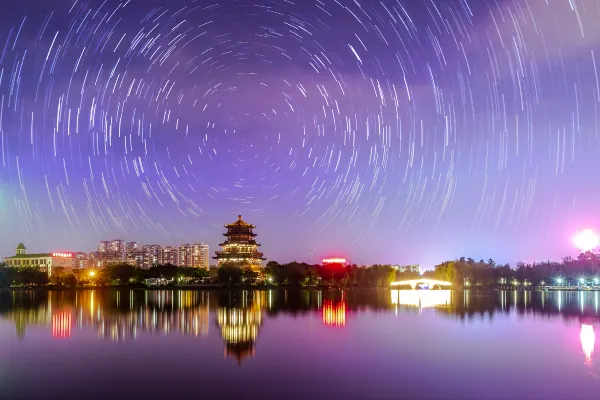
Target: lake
{"points": [[298, 344]]}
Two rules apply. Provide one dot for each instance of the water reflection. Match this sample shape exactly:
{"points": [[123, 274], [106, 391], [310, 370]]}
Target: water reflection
{"points": [[239, 316], [334, 314], [588, 341], [61, 325], [421, 298]]}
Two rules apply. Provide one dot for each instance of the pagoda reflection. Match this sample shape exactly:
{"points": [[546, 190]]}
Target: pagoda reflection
{"points": [[239, 317]]}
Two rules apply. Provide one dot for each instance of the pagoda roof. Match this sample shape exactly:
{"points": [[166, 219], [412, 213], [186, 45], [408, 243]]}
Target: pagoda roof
{"points": [[240, 222]]}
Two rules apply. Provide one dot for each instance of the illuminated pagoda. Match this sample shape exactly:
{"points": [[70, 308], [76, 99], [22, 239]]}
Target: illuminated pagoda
{"points": [[240, 248]]}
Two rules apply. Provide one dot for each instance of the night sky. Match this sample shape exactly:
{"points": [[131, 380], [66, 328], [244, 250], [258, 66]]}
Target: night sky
{"points": [[408, 131]]}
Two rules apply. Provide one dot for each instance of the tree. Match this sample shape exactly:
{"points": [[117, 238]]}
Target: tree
{"points": [[230, 275], [70, 281], [121, 273], [57, 275]]}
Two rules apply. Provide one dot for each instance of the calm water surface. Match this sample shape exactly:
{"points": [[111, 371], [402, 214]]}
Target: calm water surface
{"points": [[289, 344]]}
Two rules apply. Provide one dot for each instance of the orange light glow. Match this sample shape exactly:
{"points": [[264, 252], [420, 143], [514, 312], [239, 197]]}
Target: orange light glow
{"points": [[588, 341], [61, 325], [334, 315], [586, 240]]}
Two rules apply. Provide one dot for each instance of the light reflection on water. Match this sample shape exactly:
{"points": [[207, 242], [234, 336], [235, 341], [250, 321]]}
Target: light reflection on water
{"points": [[421, 298], [588, 341], [238, 318], [121, 315]]}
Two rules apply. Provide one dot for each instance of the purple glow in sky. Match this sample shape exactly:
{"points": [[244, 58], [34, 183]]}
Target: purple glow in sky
{"points": [[392, 131]]}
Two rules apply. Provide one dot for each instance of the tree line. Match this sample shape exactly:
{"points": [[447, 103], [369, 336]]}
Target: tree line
{"points": [[112, 275], [569, 271], [461, 272]]}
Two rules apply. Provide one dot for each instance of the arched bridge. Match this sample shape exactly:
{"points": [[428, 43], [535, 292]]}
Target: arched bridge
{"points": [[421, 281]]}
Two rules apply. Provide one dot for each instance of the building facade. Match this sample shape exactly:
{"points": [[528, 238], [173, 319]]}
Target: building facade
{"points": [[200, 256], [193, 256], [43, 261], [146, 256], [168, 255], [240, 247]]}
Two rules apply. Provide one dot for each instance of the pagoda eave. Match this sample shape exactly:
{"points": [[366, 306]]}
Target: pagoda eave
{"points": [[242, 244]]}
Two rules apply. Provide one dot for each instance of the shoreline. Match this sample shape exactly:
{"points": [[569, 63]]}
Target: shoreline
{"points": [[217, 287]]}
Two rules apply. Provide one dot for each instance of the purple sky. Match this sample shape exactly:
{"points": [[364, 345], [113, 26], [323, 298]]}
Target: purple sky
{"points": [[385, 132]]}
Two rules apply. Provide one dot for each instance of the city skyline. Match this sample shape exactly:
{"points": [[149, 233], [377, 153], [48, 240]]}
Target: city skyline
{"points": [[387, 132]]}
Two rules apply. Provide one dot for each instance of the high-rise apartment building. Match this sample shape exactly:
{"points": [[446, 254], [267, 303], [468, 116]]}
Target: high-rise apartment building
{"points": [[146, 256], [150, 255], [132, 246], [200, 256], [184, 258], [168, 255], [117, 246], [103, 246]]}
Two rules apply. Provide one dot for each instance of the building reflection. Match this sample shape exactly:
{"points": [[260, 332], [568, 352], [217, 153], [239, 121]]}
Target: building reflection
{"points": [[61, 325], [120, 315], [239, 317], [115, 315]]}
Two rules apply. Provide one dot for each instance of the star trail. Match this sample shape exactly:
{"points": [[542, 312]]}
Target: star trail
{"points": [[383, 131]]}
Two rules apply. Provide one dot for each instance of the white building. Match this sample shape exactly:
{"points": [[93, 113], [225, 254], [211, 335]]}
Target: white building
{"points": [[43, 261]]}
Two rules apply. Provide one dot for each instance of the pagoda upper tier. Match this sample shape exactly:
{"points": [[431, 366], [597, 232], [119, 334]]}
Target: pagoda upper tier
{"points": [[240, 227], [240, 248]]}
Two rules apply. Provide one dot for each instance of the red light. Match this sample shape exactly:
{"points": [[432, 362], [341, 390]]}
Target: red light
{"points": [[63, 255], [334, 261]]}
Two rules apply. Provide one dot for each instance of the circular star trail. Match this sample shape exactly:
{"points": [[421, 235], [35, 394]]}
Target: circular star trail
{"points": [[390, 131]]}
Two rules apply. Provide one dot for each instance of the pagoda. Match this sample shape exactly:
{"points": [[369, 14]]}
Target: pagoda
{"points": [[240, 248]]}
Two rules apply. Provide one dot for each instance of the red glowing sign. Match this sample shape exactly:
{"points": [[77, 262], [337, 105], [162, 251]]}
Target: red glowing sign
{"points": [[63, 255], [334, 261]]}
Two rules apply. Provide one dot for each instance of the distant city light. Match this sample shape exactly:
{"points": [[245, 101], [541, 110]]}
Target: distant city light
{"points": [[586, 240]]}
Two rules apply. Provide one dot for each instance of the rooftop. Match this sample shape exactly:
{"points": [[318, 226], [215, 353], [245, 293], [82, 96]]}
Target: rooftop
{"points": [[240, 222], [30, 256]]}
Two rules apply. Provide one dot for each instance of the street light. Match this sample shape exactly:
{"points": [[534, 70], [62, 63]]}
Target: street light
{"points": [[92, 274], [559, 281]]}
